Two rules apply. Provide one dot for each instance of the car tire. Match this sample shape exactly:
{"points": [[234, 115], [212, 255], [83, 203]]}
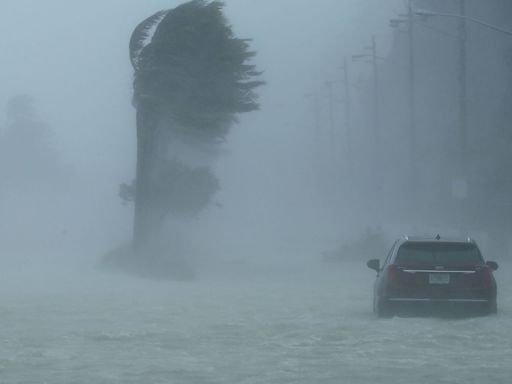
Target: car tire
{"points": [[382, 308], [492, 307]]}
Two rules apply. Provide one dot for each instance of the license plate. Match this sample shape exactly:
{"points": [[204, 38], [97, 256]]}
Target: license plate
{"points": [[439, 278]]}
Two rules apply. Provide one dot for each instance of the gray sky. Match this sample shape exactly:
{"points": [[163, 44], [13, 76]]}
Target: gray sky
{"points": [[72, 56]]}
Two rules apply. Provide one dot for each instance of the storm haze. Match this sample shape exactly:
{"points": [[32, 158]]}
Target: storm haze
{"points": [[191, 191], [72, 60]]}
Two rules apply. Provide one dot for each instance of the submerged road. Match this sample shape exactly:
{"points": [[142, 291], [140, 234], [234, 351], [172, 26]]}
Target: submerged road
{"points": [[251, 325]]}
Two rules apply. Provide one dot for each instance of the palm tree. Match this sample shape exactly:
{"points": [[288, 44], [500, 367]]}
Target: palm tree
{"points": [[192, 76]]}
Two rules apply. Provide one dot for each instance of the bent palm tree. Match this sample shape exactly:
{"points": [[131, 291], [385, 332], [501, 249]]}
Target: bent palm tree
{"points": [[192, 77]]}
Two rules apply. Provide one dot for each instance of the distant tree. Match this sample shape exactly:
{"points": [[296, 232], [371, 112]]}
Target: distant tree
{"points": [[25, 151], [192, 77]]}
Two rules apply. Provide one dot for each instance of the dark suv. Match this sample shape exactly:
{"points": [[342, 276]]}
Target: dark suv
{"points": [[426, 273]]}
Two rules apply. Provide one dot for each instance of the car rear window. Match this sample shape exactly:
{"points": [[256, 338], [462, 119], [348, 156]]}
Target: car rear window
{"points": [[429, 253]]}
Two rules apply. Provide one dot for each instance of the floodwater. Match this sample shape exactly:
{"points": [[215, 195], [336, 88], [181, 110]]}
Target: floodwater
{"points": [[241, 324]]}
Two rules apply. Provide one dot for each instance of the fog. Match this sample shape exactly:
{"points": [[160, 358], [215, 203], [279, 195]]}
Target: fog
{"points": [[72, 60], [290, 185], [287, 183], [272, 283]]}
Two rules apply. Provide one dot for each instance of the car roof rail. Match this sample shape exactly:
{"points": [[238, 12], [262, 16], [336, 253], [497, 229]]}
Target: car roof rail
{"points": [[437, 237]]}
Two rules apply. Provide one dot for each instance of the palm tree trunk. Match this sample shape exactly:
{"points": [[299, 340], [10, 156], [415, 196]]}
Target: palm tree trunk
{"points": [[146, 221]]}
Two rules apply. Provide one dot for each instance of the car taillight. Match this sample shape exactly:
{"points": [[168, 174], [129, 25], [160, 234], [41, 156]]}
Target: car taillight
{"points": [[392, 275], [486, 277]]}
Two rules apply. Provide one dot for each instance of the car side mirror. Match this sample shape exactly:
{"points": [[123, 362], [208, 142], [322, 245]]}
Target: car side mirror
{"points": [[374, 264], [492, 264]]}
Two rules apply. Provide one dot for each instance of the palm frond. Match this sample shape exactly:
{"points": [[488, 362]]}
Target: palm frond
{"points": [[141, 36], [195, 68]]}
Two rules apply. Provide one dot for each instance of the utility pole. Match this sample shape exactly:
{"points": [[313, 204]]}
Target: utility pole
{"points": [[408, 19], [315, 107], [463, 166], [332, 133], [348, 118], [412, 104], [373, 57], [376, 106], [463, 87]]}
